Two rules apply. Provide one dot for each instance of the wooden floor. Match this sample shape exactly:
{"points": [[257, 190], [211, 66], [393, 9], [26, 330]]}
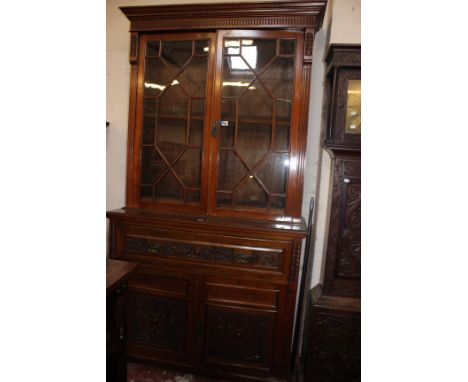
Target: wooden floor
{"points": [[140, 373]]}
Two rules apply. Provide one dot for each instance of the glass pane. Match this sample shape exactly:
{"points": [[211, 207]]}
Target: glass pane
{"points": [[258, 101], [152, 166], [193, 196], [188, 168], [157, 77], [235, 80], [176, 53], [172, 122], [258, 53], [228, 116], [283, 122], [193, 77], [287, 46], [152, 48], [273, 173], [255, 124], [277, 202], [197, 122], [202, 47], [353, 108], [231, 170], [278, 77], [196, 132], [169, 188], [231, 47], [146, 192], [250, 194], [149, 121], [223, 199]]}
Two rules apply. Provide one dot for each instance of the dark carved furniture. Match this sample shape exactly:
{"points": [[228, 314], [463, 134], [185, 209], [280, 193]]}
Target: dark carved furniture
{"points": [[333, 326], [218, 116], [117, 274]]}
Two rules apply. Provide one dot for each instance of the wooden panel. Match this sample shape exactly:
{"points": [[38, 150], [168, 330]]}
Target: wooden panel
{"points": [[156, 285], [334, 353], [221, 293], [158, 322], [238, 339], [157, 245], [343, 263]]}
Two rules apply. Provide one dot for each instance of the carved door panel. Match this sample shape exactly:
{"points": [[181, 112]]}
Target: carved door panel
{"points": [[239, 327], [160, 317]]}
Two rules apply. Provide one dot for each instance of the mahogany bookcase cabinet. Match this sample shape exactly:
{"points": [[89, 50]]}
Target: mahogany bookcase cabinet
{"points": [[218, 114]]}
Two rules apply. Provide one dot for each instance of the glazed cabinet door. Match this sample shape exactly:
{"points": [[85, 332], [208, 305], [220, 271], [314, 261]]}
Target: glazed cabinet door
{"points": [[170, 153], [256, 111]]}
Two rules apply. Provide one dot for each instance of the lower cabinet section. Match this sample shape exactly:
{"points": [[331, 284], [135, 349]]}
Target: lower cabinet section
{"points": [[211, 301], [227, 326]]}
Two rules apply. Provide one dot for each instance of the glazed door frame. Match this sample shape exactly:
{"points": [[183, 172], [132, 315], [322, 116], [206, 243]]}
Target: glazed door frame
{"points": [[210, 148], [134, 170], [294, 146]]}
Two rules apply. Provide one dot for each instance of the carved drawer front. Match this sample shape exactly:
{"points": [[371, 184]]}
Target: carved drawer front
{"points": [[197, 248], [159, 318]]}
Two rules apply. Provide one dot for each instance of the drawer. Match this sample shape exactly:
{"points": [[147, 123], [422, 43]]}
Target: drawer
{"points": [[238, 254]]}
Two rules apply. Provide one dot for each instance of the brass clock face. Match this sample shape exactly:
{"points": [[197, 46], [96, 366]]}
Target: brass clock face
{"points": [[353, 108]]}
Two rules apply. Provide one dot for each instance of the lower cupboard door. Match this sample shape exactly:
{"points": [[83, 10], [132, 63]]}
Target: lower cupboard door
{"points": [[159, 326]]}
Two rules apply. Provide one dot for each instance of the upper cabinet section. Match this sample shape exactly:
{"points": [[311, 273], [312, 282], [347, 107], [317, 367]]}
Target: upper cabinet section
{"points": [[218, 107], [344, 97]]}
